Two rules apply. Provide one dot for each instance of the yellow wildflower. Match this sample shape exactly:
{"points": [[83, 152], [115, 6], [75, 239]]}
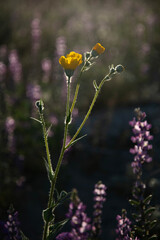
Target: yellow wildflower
{"points": [[71, 61], [98, 48]]}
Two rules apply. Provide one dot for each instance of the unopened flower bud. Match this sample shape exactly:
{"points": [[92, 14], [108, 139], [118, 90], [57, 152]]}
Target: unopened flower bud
{"points": [[119, 68], [88, 54], [40, 105]]}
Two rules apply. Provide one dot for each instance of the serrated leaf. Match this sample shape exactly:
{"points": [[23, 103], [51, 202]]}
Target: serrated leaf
{"points": [[35, 119], [55, 228], [153, 237], [149, 211], [49, 171], [48, 214], [133, 202], [147, 200]]}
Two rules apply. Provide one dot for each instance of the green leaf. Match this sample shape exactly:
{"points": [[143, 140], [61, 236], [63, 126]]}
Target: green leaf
{"points": [[76, 141], [139, 229], [152, 224], [23, 236], [62, 197], [48, 215], [95, 85], [133, 202], [55, 228], [149, 211], [136, 216], [49, 171], [147, 200], [35, 119], [153, 237]]}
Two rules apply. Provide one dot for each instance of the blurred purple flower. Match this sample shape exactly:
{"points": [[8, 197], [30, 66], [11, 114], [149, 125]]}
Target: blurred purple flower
{"points": [[99, 199], [10, 126], [141, 138], [145, 48], [64, 236], [145, 68], [46, 67], [3, 70], [15, 66], [75, 113], [53, 120], [60, 46], [33, 92], [36, 34]]}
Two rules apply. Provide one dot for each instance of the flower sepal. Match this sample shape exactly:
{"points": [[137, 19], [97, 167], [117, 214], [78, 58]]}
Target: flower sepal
{"points": [[69, 72]]}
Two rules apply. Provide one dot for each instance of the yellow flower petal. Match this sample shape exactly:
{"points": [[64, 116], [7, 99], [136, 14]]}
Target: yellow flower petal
{"points": [[71, 61]]}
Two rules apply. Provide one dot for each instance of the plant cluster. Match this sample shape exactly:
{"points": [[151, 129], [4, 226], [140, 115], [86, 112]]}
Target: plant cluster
{"points": [[83, 227]]}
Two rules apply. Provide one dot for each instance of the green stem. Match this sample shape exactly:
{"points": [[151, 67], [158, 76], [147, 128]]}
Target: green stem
{"points": [[88, 113], [53, 183], [46, 142], [75, 97], [78, 85]]}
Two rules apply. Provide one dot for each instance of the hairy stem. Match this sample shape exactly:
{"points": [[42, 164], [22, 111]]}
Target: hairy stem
{"points": [[88, 113], [53, 183]]}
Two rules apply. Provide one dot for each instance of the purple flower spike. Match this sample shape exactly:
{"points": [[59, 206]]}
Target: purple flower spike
{"points": [[13, 225], [99, 199], [64, 236], [79, 221], [141, 138], [123, 230]]}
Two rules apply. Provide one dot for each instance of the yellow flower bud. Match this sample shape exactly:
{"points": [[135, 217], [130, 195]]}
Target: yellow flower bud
{"points": [[98, 48]]}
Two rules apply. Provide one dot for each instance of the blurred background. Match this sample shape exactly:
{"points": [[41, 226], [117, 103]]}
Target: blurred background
{"points": [[33, 35]]}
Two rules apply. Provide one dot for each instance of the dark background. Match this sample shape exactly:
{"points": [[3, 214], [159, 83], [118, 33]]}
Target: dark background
{"points": [[40, 30]]}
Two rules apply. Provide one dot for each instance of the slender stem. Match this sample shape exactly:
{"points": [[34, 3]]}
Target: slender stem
{"points": [[51, 169], [78, 84], [87, 115], [75, 97], [65, 136], [53, 183], [46, 142]]}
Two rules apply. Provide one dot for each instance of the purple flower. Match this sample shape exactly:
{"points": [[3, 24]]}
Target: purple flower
{"points": [[46, 67], [10, 126], [64, 236], [123, 230], [79, 221], [3, 70], [141, 138], [33, 92], [99, 199], [15, 66], [13, 225], [36, 34]]}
